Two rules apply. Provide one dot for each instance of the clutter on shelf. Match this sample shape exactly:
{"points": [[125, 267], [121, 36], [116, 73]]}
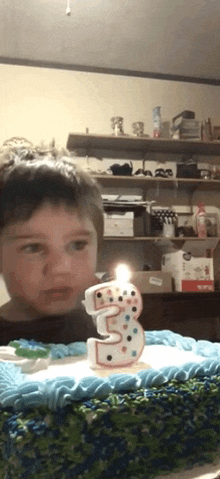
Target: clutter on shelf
{"points": [[185, 126]]}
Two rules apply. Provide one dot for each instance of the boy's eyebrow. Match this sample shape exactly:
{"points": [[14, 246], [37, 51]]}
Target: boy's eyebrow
{"points": [[81, 232], [27, 236]]}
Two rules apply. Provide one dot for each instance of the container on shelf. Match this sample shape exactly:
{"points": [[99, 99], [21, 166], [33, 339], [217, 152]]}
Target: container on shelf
{"points": [[157, 120], [138, 128], [201, 221], [124, 219], [192, 266], [152, 281], [117, 125]]}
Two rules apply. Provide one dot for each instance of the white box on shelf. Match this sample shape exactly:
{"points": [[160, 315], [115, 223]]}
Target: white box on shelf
{"points": [[191, 269], [119, 224]]}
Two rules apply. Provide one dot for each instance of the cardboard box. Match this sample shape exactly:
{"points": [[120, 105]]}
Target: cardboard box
{"points": [[119, 224], [123, 223], [191, 267], [152, 281], [124, 215]]}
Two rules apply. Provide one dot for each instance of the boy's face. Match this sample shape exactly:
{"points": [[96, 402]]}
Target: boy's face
{"points": [[49, 260]]}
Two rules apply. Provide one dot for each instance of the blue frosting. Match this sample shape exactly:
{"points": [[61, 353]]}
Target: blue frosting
{"points": [[60, 351], [18, 391], [168, 338]]}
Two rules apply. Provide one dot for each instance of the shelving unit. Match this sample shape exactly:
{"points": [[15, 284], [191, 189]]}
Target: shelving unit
{"points": [[125, 147]]}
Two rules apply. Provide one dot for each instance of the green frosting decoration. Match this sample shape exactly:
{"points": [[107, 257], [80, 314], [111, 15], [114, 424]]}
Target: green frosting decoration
{"points": [[30, 349]]}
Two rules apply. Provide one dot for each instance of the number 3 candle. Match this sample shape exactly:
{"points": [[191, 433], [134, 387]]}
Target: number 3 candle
{"points": [[116, 305]]}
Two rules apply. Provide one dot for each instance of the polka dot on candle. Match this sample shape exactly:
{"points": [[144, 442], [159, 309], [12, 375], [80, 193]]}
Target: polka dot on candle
{"points": [[134, 309], [120, 298], [127, 317], [124, 349], [134, 353], [125, 326], [129, 338], [129, 301], [135, 330], [109, 292], [99, 295], [109, 357], [132, 293]]}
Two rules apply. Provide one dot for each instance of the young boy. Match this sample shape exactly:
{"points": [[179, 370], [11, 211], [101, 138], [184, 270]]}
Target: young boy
{"points": [[51, 224]]}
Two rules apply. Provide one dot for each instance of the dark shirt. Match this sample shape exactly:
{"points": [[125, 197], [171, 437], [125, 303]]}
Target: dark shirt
{"points": [[74, 326]]}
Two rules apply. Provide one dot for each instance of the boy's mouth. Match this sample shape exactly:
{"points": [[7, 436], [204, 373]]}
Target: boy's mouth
{"points": [[59, 294]]}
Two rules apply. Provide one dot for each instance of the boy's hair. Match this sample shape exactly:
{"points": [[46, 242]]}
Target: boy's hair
{"points": [[30, 179]]}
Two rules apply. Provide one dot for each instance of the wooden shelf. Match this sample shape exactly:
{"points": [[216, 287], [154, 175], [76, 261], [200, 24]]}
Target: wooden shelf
{"points": [[149, 182], [184, 295], [157, 238], [111, 146]]}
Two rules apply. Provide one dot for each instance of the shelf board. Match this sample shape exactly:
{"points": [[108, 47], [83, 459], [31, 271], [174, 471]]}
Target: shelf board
{"points": [[184, 295], [110, 145], [147, 182], [156, 238]]}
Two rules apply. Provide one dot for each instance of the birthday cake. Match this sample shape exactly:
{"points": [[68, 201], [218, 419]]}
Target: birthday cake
{"points": [[61, 418]]}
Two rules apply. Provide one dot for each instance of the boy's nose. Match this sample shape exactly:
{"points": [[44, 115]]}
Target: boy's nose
{"points": [[57, 263]]}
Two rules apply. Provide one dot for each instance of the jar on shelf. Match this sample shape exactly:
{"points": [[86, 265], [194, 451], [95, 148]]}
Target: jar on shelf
{"points": [[117, 125], [138, 128]]}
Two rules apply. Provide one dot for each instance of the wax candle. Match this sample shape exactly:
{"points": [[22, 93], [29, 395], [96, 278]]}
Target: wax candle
{"points": [[117, 306]]}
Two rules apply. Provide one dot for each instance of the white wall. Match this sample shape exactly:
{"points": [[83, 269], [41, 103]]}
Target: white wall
{"points": [[44, 103], [4, 296], [41, 104]]}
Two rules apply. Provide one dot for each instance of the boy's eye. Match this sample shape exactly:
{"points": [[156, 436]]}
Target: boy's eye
{"points": [[77, 245], [32, 248]]}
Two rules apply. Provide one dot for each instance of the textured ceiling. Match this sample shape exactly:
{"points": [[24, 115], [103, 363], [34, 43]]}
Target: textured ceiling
{"points": [[146, 37]]}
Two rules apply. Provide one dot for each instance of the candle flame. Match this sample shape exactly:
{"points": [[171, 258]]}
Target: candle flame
{"points": [[123, 273]]}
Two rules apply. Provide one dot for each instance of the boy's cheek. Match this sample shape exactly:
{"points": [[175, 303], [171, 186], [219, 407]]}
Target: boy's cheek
{"points": [[14, 285], [18, 266], [18, 281], [20, 276], [89, 259]]}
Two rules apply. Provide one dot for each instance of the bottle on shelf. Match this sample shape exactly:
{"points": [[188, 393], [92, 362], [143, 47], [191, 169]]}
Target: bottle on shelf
{"points": [[201, 221], [207, 131], [157, 120]]}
